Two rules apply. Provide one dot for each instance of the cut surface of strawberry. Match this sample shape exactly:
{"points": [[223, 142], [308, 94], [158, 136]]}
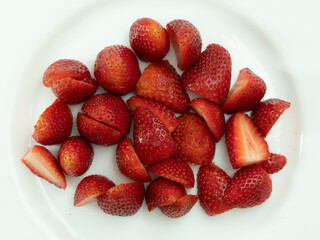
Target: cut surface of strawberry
{"points": [[181, 207]]}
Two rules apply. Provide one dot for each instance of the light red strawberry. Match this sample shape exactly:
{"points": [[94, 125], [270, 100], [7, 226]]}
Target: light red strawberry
{"points": [[245, 144], [212, 115], [267, 113], [117, 69], [54, 125], [274, 163], [195, 143], [181, 207], [210, 75], [186, 41], [161, 82], [75, 156], [149, 40], [42, 163]]}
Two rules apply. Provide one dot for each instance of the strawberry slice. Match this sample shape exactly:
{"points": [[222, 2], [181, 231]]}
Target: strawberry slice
{"points": [[186, 42], [90, 188], [174, 170], [161, 82], [122, 200], [245, 143], [210, 75], [274, 163], [166, 116], [42, 163], [129, 163], [195, 143], [181, 207], [212, 115], [54, 125], [267, 113]]}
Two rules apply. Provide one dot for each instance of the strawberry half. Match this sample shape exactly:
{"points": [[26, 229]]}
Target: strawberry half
{"points": [[274, 163], [181, 207], [245, 143], [42, 163]]}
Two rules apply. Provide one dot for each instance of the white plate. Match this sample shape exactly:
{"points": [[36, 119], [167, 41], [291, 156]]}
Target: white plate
{"points": [[81, 37]]}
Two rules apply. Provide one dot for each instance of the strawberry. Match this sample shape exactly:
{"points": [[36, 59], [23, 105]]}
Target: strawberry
{"points": [[122, 200], [195, 143], [129, 163], [54, 125], [244, 142], [90, 188], [149, 40], [212, 184], [161, 82], [117, 69], [267, 113], [246, 93], [274, 163], [166, 116], [250, 186], [181, 207], [210, 76], [42, 163], [174, 170], [163, 192], [212, 115], [186, 42], [75, 156], [152, 140]]}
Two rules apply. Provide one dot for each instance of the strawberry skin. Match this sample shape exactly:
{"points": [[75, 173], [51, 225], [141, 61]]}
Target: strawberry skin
{"points": [[54, 125], [250, 186], [274, 163], [245, 143], [210, 75], [161, 82], [117, 69], [186, 42], [149, 40], [42, 163], [181, 207]]}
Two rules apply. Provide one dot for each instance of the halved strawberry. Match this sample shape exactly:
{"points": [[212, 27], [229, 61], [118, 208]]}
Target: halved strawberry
{"points": [[245, 143], [212, 115], [54, 125], [267, 113], [42, 163], [181, 207], [161, 82], [274, 163]]}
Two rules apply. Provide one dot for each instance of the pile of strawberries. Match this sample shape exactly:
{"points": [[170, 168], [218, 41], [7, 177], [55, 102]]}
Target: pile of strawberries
{"points": [[164, 143]]}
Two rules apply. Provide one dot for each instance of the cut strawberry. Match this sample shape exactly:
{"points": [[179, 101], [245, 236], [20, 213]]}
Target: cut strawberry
{"points": [[181, 207], [274, 163]]}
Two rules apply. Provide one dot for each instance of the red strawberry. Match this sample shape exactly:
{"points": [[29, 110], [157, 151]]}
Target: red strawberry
{"points": [[274, 163], [195, 143], [90, 188], [181, 207], [122, 200], [246, 93], [42, 163], [186, 42], [75, 156], [54, 125], [163, 192], [210, 76], [152, 140], [267, 113], [212, 184], [174, 170], [166, 116], [250, 186], [129, 163], [212, 115], [161, 82], [245, 144], [117, 69], [149, 40]]}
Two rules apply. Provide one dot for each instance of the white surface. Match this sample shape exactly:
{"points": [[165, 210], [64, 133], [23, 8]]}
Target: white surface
{"points": [[278, 39]]}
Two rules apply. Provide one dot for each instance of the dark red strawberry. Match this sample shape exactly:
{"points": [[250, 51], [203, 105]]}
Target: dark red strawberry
{"points": [[117, 69], [195, 143], [210, 76], [149, 40], [181, 207], [161, 82], [54, 125], [42, 163], [186, 42], [274, 163], [267, 113]]}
